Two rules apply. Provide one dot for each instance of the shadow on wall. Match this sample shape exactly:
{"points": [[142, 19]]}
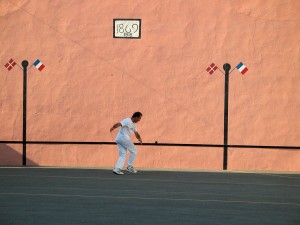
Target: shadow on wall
{"points": [[12, 157]]}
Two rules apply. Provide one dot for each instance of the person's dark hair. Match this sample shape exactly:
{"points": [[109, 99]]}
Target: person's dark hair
{"points": [[137, 115]]}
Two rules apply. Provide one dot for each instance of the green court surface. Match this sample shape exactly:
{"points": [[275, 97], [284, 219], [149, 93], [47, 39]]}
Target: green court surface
{"points": [[64, 196]]}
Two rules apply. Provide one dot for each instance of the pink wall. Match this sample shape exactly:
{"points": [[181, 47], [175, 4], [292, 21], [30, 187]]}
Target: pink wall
{"points": [[92, 80]]}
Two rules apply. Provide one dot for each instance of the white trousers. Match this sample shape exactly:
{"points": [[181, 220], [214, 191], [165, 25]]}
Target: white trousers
{"points": [[123, 146]]}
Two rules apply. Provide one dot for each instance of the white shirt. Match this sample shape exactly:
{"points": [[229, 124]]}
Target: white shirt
{"points": [[128, 127]]}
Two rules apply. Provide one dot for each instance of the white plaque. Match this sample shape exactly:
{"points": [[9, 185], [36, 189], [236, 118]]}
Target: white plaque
{"points": [[127, 28]]}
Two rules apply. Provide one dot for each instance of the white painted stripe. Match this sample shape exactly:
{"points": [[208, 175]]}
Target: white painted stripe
{"points": [[154, 180], [160, 199], [159, 192], [154, 169]]}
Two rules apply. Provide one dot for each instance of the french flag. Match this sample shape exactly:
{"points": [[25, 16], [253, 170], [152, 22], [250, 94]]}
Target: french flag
{"points": [[39, 65], [242, 68]]}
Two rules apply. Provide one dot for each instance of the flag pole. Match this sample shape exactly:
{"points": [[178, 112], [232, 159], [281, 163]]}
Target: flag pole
{"points": [[221, 71], [243, 69], [232, 70], [19, 66], [226, 68], [25, 65], [29, 67]]}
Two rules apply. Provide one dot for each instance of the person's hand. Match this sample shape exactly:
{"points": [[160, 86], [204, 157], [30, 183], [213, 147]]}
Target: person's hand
{"points": [[111, 129]]}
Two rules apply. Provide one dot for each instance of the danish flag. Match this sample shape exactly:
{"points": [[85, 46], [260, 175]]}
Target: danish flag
{"points": [[11, 63], [211, 69]]}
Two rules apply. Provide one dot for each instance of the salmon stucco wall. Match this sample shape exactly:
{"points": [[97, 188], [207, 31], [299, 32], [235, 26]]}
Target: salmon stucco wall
{"points": [[92, 80]]}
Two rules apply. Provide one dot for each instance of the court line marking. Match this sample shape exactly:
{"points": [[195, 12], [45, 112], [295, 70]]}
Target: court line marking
{"points": [[140, 198], [277, 175], [157, 170], [154, 191], [156, 180]]}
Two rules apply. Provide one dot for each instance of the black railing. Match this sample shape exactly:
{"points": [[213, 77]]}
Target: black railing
{"points": [[144, 144], [150, 144]]}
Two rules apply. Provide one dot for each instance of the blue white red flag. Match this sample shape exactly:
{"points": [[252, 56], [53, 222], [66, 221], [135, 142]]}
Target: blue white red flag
{"points": [[39, 65], [242, 68]]}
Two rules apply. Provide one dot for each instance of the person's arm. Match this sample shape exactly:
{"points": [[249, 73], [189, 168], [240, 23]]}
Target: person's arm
{"points": [[115, 126], [137, 135]]}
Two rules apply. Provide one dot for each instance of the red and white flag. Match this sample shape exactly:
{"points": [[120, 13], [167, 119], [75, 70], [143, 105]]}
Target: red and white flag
{"points": [[211, 69], [11, 63]]}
